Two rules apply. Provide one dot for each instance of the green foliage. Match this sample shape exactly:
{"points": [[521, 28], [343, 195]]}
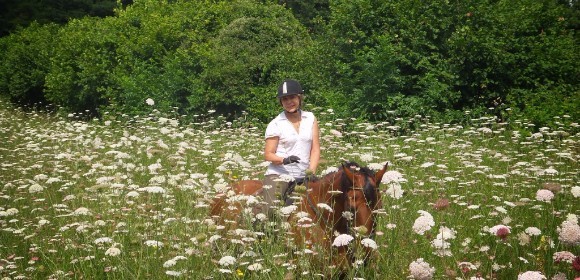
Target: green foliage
{"points": [[80, 72], [547, 103], [312, 14], [21, 13], [500, 49], [249, 54], [390, 59], [370, 60], [25, 62]]}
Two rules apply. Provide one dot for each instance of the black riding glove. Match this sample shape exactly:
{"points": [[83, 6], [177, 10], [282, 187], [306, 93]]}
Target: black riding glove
{"points": [[291, 159]]}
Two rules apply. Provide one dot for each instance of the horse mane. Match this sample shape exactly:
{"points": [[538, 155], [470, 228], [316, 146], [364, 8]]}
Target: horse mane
{"points": [[345, 184]]}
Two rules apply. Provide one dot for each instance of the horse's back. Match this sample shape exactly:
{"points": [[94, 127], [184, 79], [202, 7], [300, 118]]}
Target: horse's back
{"points": [[247, 187]]}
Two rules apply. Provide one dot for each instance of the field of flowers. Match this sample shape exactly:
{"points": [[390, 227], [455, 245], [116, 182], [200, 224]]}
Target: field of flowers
{"points": [[127, 198]]}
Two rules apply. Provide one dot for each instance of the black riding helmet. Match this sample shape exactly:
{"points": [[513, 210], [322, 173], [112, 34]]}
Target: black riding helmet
{"points": [[289, 87]]}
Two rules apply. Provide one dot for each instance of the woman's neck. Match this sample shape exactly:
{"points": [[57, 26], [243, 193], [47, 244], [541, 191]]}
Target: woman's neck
{"points": [[294, 116]]}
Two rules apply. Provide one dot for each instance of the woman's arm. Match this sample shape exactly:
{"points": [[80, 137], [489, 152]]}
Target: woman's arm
{"points": [[315, 149], [270, 151]]}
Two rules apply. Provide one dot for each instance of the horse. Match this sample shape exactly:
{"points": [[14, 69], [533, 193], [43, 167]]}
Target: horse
{"points": [[340, 203]]}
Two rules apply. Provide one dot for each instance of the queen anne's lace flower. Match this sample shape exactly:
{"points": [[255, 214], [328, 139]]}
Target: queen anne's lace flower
{"points": [[227, 261], [287, 210], [35, 188], [369, 243], [423, 223], [394, 190], [421, 270], [533, 231], [81, 211], [113, 252], [169, 263], [531, 275], [575, 191], [563, 256], [102, 240], [325, 207], [569, 233], [544, 195], [392, 176], [342, 240], [255, 267], [153, 243]]}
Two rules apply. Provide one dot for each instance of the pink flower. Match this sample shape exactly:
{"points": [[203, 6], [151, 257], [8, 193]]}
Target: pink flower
{"points": [[569, 233], [500, 231], [531, 275], [544, 195], [563, 256], [576, 264], [421, 270]]}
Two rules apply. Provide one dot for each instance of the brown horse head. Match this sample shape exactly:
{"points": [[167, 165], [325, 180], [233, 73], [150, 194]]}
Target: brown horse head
{"points": [[361, 188]]}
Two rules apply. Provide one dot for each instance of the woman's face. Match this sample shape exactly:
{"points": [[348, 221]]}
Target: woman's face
{"points": [[290, 103]]}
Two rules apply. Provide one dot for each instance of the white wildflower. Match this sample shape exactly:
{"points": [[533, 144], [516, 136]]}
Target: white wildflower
{"points": [[533, 231], [153, 243], [421, 270], [287, 210], [531, 275], [393, 176], [575, 191], [35, 188], [569, 233], [255, 267], [227, 261], [113, 252], [369, 243], [394, 190], [423, 223], [342, 240], [325, 206], [81, 211], [102, 240], [544, 195]]}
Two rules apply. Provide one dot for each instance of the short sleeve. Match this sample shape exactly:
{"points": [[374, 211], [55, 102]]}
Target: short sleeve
{"points": [[272, 130]]}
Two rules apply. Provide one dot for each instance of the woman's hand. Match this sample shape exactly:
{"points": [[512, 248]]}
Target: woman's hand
{"points": [[291, 159]]}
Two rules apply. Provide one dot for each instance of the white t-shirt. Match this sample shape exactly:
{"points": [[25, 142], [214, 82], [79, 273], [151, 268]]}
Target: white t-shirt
{"points": [[291, 143]]}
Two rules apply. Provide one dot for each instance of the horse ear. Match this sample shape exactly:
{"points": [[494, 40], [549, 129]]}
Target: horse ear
{"points": [[348, 172], [380, 173]]}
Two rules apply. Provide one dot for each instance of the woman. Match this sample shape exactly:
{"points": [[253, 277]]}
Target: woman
{"points": [[292, 144]]}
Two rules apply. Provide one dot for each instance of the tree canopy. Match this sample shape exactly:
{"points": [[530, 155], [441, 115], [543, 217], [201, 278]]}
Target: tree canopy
{"points": [[374, 60]]}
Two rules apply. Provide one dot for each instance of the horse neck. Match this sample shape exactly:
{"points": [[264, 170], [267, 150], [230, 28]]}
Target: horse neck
{"points": [[324, 191], [325, 187], [331, 182]]}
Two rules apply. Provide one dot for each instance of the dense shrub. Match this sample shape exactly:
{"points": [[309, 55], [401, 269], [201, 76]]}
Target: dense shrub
{"points": [[25, 62], [254, 51], [372, 60], [80, 71]]}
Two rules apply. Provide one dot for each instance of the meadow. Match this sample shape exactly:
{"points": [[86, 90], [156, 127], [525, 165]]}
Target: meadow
{"points": [[127, 198]]}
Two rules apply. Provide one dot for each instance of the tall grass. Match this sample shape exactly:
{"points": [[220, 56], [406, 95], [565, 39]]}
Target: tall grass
{"points": [[126, 198]]}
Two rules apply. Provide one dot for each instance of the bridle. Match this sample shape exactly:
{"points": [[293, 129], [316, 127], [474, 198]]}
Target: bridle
{"points": [[370, 204], [349, 222]]}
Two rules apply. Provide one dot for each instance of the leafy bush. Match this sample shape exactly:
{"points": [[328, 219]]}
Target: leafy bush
{"points": [[25, 62], [372, 60], [254, 51], [80, 72]]}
